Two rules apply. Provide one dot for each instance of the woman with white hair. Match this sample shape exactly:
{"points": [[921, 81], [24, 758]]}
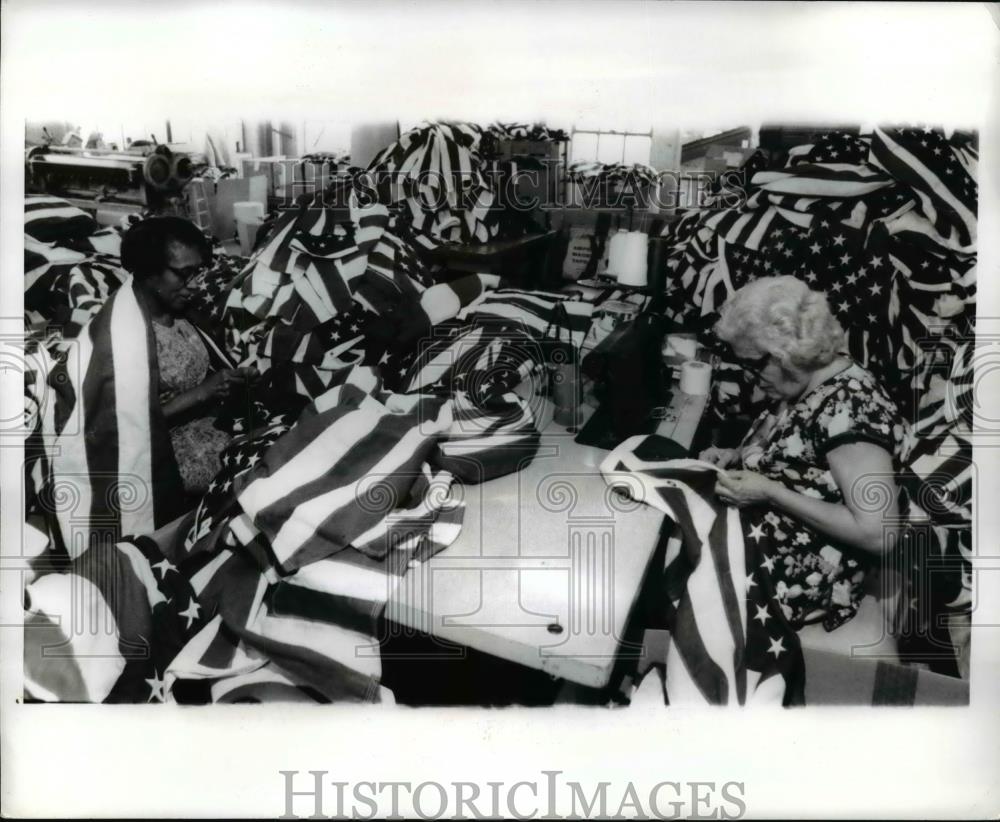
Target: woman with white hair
{"points": [[822, 458]]}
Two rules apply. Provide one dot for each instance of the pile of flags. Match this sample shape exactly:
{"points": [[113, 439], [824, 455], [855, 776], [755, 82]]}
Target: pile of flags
{"points": [[535, 132], [436, 173], [70, 266], [612, 184], [886, 226], [279, 579]]}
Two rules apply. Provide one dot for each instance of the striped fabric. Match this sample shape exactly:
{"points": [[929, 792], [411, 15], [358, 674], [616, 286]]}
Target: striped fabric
{"points": [[289, 587], [64, 287], [729, 642], [743, 228], [881, 231], [436, 171], [90, 286], [488, 440], [53, 219], [823, 180], [942, 177], [109, 467], [536, 132], [119, 614], [486, 358], [331, 516], [939, 482], [347, 462], [317, 629], [946, 402], [533, 311]]}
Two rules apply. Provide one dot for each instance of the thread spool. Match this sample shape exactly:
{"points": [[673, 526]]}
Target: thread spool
{"points": [[696, 378], [628, 258]]}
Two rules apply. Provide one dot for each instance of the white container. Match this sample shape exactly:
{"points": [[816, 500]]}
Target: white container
{"points": [[628, 258], [246, 230], [247, 211]]}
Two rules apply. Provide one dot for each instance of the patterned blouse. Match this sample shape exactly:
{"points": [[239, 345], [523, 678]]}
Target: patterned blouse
{"points": [[816, 577], [183, 363]]}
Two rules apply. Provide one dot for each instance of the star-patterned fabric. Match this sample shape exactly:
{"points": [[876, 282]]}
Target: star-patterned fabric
{"points": [[816, 578], [885, 225], [730, 641], [148, 612]]}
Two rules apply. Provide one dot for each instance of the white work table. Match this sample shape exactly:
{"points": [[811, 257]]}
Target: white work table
{"points": [[549, 563]]}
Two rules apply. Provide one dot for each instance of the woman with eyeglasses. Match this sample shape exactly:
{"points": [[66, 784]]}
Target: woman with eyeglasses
{"points": [[822, 457], [163, 255]]}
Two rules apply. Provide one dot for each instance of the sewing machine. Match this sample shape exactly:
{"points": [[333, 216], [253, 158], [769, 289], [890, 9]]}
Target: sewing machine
{"points": [[147, 176]]}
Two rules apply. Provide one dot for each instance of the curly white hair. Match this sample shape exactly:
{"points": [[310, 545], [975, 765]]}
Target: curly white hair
{"points": [[783, 317]]}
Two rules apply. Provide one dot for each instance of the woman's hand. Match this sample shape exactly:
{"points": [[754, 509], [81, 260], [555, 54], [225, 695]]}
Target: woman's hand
{"points": [[221, 385], [723, 457], [742, 488]]}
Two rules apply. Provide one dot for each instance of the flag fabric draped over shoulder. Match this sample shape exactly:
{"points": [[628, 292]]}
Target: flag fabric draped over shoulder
{"points": [[729, 642], [285, 581], [109, 466]]}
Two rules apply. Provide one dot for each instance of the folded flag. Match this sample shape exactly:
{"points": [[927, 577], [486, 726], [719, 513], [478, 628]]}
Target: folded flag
{"points": [[53, 219]]}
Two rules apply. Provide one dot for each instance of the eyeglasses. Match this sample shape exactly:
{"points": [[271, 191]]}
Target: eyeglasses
{"points": [[188, 273], [757, 365]]}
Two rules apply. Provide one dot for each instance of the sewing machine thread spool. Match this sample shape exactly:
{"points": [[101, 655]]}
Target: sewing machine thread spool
{"points": [[696, 378], [628, 258]]}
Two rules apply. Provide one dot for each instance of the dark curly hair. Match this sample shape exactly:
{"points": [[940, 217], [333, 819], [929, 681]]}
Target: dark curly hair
{"points": [[144, 246]]}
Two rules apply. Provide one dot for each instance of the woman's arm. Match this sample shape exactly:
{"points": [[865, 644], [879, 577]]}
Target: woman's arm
{"points": [[216, 388], [183, 404], [863, 472]]}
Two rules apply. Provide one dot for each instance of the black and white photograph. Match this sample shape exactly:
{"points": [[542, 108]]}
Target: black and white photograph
{"points": [[533, 409]]}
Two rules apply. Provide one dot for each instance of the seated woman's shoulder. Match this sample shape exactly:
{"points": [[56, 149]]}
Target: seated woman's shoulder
{"points": [[858, 379]]}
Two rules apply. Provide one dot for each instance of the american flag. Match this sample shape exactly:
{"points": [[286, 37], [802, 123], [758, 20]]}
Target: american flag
{"points": [[103, 430], [730, 643], [851, 230], [309, 531], [436, 171], [941, 176], [53, 219], [833, 147], [150, 607]]}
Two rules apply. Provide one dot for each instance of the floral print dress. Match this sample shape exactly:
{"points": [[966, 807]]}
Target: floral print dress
{"points": [[816, 578], [183, 364]]}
